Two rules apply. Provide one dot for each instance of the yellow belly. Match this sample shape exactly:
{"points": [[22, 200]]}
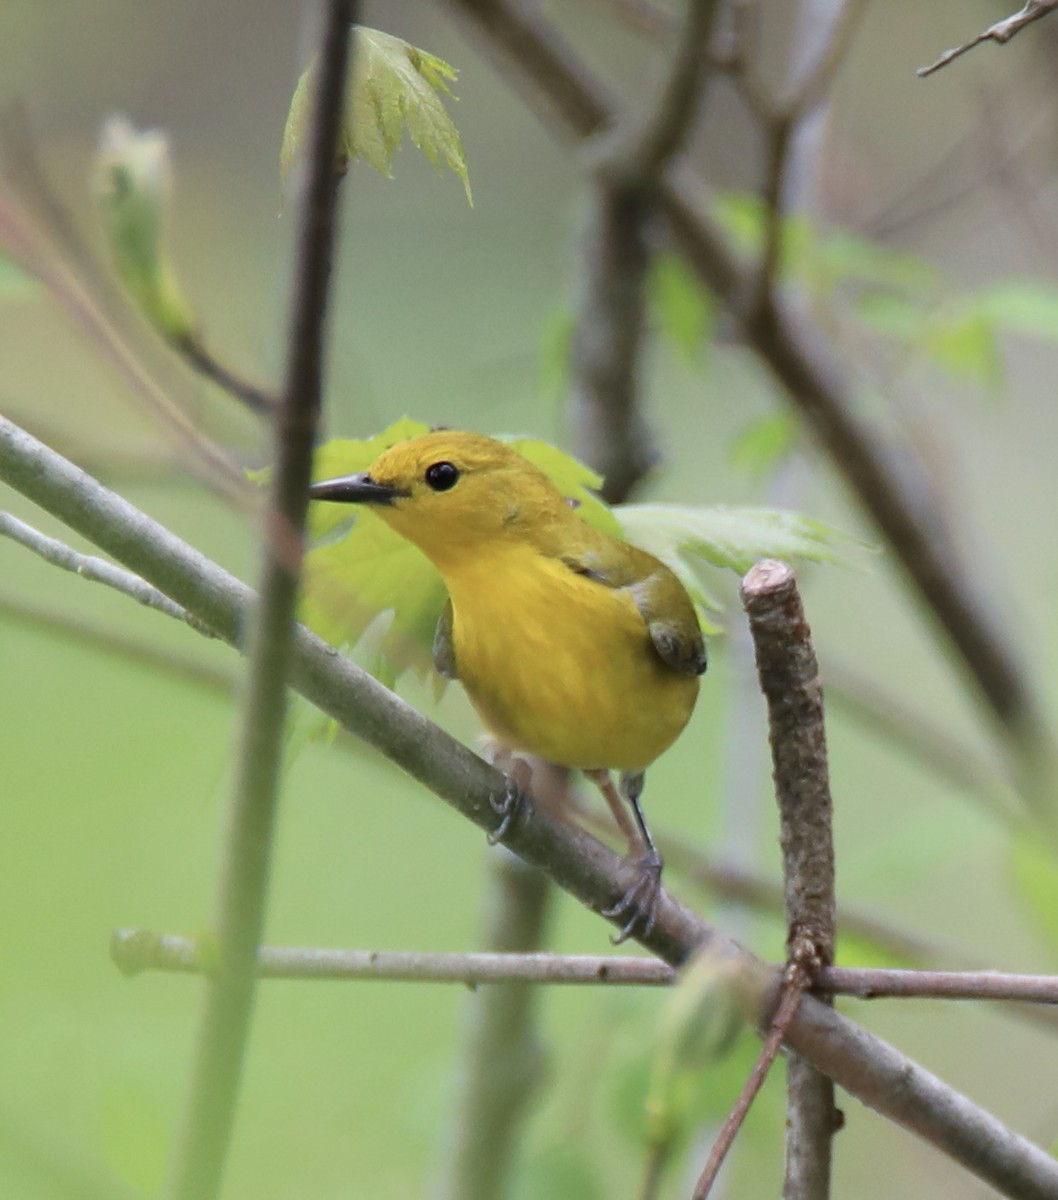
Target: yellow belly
{"points": [[562, 667]]}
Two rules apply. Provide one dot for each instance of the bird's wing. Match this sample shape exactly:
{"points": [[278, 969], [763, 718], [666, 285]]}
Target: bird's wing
{"points": [[659, 596], [444, 651]]}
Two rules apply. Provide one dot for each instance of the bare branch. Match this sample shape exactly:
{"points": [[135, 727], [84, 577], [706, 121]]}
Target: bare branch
{"points": [[608, 345], [1001, 32], [861, 1063], [96, 570], [197, 1165], [789, 679], [138, 950], [870, 983]]}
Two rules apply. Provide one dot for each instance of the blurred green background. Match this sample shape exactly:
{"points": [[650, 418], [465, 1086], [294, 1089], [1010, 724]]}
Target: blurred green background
{"points": [[113, 776]]}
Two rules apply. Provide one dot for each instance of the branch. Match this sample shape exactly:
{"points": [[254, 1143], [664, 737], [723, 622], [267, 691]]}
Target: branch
{"points": [[609, 429], [96, 570], [198, 1161], [864, 1065], [793, 990], [1001, 32], [137, 950], [789, 679], [814, 380]]}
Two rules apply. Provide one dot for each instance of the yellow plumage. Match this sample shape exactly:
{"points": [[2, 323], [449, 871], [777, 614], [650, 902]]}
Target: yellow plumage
{"points": [[572, 645]]}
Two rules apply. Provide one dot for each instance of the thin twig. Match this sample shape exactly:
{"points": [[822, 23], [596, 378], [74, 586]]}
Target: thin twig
{"points": [[197, 1164], [198, 355], [792, 992], [138, 950], [1001, 32], [789, 679], [96, 570], [861, 1063]]}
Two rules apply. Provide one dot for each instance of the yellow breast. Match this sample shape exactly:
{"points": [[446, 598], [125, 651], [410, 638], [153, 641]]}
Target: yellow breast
{"points": [[561, 666]]}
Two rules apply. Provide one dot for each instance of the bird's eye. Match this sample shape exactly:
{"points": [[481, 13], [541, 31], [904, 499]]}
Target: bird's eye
{"points": [[442, 476]]}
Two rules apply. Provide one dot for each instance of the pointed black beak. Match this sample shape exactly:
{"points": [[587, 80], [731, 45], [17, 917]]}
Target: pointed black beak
{"points": [[354, 489]]}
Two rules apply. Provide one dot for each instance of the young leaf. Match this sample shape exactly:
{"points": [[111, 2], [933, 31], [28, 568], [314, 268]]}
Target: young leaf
{"points": [[685, 309], [765, 443], [393, 86], [731, 537], [133, 182]]}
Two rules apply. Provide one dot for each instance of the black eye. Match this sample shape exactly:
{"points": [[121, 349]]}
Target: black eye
{"points": [[442, 476]]}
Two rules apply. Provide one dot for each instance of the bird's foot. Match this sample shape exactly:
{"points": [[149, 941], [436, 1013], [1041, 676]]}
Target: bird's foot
{"points": [[638, 907], [511, 805]]}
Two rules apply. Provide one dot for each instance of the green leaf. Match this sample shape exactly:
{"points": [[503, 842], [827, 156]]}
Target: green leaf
{"points": [[765, 443], [133, 184], [686, 311], [1022, 306], [732, 537], [1035, 875], [394, 87], [961, 339]]}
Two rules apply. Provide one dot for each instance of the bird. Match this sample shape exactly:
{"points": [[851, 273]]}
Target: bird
{"points": [[573, 646]]}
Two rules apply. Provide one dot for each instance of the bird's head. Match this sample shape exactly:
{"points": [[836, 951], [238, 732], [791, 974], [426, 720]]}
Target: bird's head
{"points": [[452, 493]]}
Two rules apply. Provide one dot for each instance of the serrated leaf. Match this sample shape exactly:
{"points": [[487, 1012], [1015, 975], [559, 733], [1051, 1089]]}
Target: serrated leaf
{"points": [[394, 87], [1034, 872], [732, 537], [686, 311]]}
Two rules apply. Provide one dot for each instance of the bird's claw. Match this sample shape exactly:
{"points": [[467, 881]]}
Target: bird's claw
{"points": [[510, 806], [640, 902]]}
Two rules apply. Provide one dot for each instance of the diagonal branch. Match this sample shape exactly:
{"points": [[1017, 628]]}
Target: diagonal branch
{"points": [[1001, 32], [863, 1064]]}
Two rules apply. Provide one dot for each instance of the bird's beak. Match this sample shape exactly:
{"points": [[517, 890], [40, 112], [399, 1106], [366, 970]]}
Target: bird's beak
{"points": [[354, 489]]}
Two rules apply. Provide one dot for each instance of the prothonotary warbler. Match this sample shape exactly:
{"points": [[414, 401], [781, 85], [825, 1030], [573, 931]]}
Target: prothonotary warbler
{"points": [[572, 645]]}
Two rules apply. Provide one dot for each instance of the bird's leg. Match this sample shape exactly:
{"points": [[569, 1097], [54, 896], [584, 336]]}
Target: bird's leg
{"points": [[640, 901], [514, 801]]}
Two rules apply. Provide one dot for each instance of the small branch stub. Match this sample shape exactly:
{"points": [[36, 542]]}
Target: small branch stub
{"points": [[789, 679]]}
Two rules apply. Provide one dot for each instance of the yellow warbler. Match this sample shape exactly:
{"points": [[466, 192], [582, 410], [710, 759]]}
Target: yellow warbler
{"points": [[572, 645]]}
